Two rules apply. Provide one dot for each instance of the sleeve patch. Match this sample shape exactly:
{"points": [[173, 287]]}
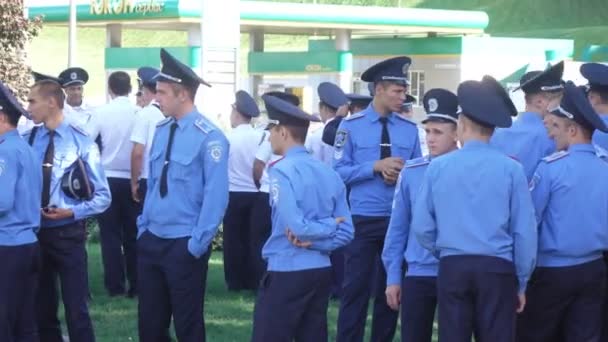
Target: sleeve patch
{"points": [[215, 150], [341, 137]]}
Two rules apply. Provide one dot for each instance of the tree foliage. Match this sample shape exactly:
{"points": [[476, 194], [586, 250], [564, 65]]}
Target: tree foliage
{"points": [[16, 31]]}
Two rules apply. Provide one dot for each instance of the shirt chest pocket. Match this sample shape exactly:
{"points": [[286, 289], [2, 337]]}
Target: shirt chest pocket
{"points": [[366, 150], [403, 148], [157, 159], [64, 161], [182, 166]]}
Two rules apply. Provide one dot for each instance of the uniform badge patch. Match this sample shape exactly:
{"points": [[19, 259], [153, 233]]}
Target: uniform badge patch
{"points": [[433, 105], [2, 166], [215, 151], [274, 191], [341, 137]]}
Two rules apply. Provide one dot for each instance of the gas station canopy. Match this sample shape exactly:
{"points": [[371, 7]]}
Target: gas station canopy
{"points": [[272, 17]]}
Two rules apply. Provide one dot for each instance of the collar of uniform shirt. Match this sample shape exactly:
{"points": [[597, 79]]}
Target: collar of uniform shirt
{"points": [[10, 133], [243, 126], [530, 117], [188, 119], [475, 144], [62, 129], [296, 150], [581, 148], [375, 116], [121, 99]]}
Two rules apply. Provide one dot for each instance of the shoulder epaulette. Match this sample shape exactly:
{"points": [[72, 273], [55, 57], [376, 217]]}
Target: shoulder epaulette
{"points": [[555, 156], [405, 119], [601, 152], [163, 122], [203, 125], [79, 129], [417, 162], [355, 116]]}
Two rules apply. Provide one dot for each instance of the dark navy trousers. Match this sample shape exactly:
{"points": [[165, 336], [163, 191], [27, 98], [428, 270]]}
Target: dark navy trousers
{"points": [[360, 262], [477, 296], [418, 304], [292, 306], [238, 229], [63, 255], [118, 232], [337, 272], [564, 304], [18, 282], [172, 283]]}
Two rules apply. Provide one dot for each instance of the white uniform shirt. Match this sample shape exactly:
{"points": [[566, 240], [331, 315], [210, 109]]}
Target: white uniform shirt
{"points": [[244, 140], [265, 154], [114, 122], [79, 116], [317, 148], [143, 133]]}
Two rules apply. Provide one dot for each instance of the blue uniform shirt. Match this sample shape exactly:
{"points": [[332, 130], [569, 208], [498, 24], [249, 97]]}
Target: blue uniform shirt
{"points": [[21, 184], [570, 195], [527, 140], [400, 243], [357, 148], [475, 201], [71, 143], [306, 196], [601, 138], [197, 183]]}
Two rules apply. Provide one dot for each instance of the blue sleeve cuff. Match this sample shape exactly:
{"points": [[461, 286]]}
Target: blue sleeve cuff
{"points": [[523, 283], [196, 248], [79, 213], [393, 277]]}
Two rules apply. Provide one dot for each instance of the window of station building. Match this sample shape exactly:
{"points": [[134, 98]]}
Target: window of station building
{"points": [[417, 85]]}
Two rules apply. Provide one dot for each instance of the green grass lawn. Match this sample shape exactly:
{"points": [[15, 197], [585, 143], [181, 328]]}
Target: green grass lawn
{"points": [[228, 315]]}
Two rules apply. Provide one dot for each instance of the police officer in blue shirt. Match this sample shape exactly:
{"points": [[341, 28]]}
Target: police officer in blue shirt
{"points": [[527, 139], [310, 219], [21, 183], [597, 93], [417, 292], [474, 213], [65, 152], [370, 150], [570, 195], [186, 199]]}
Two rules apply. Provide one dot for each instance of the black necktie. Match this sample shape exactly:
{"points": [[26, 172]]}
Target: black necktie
{"points": [[385, 142], [163, 176], [47, 170]]}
